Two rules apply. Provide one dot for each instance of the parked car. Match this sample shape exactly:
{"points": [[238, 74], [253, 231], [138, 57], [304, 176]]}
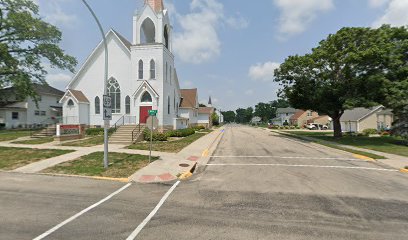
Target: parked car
{"points": [[315, 126]]}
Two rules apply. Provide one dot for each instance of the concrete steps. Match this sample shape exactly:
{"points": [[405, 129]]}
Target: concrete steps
{"points": [[47, 132], [123, 134]]}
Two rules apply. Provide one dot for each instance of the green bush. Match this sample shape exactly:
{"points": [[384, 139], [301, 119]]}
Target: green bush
{"points": [[198, 127], [181, 133], [157, 136], [369, 131], [292, 127], [97, 131]]}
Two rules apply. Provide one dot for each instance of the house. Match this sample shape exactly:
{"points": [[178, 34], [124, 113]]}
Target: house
{"points": [[302, 117], [359, 119], [189, 106], [26, 113], [324, 120], [205, 116], [283, 116], [142, 76]]}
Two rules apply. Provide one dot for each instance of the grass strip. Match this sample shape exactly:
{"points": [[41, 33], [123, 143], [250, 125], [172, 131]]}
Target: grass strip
{"points": [[324, 143], [9, 135], [89, 142], [12, 158], [168, 146], [36, 141], [121, 165]]}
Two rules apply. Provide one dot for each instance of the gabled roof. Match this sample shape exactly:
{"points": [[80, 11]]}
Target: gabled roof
{"points": [[205, 110], [77, 95], [189, 98], [38, 88], [123, 39], [357, 114], [285, 110], [297, 115]]}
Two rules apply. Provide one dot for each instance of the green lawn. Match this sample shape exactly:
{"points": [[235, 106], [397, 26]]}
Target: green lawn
{"points": [[121, 165], [387, 144], [35, 141], [89, 142], [12, 158], [169, 146], [8, 135]]}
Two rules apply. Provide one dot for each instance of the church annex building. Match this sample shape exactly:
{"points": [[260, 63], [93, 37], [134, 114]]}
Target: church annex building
{"points": [[142, 77]]}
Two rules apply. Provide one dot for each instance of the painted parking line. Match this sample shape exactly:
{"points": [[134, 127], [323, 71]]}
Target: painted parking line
{"points": [[298, 165], [139, 228], [48, 232], [310, 158]]}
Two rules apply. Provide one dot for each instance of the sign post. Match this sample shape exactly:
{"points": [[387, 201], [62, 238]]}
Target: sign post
{"points": [[107, 116], [152, 114]]}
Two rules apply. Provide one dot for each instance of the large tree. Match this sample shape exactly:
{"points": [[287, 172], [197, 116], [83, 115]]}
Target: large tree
{"points": [[229, 116], [26, 43], [343, 72]]}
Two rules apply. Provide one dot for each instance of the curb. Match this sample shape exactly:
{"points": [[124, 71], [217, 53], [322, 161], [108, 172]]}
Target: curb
{"points": [[403, 170]]}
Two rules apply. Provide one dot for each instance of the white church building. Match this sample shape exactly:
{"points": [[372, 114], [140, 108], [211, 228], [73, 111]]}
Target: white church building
{"points": [[142, 76]]}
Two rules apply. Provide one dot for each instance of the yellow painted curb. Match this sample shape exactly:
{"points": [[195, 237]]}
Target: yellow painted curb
{"points": [[125, 180], [403, 170], [185, 175], [362, 157], [205, 153]]}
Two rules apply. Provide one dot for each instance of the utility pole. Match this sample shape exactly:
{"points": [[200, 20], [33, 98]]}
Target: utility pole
{"points": [[105, 90]]}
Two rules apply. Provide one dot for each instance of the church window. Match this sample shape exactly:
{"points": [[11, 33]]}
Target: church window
{"points": [[168, 105], [97, 105], [148, 32], [171, 70], [167, 72], [166, 37], [127, 105], [152, 69], [140, 69], [146, 97], [114, 93], [70, 102]]}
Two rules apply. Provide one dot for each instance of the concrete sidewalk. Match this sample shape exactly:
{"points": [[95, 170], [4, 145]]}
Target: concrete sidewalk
{"points": [[168, 168], [393, 160]]}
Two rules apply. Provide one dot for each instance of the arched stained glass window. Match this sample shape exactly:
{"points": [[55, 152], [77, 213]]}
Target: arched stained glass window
{"points": [[114, 93], [127, 105], [140, 69], [70, 103], [146, 97], [152, 69], [97, 105]]}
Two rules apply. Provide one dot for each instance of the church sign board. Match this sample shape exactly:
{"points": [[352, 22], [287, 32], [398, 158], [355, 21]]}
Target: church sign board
{"points": [[107, 107]]}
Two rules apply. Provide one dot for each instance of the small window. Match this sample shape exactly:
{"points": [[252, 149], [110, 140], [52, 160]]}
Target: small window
{"points": [[171, 70], [97, 105], [168, 105], [140, 69], [37, 113], [152, 69], [167, 70], [43, 113], [146, 97], [70, 102], [14, 115], [127, 105]]}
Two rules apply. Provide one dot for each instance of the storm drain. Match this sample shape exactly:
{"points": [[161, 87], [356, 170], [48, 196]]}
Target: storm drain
{"points": [[184, 165]]}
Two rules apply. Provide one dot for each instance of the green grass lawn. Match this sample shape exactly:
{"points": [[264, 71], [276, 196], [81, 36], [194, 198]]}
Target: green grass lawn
{"points": [[89, 142], [169, 146], [387, 144], [122, 165], [310, 133], [35, 141], [8, 135], [12, 158]]}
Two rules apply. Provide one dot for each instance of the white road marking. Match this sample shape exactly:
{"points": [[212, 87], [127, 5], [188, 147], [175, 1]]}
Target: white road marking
{"points": [[290, 165], [139, 228], [45, 234], [311, 158]]}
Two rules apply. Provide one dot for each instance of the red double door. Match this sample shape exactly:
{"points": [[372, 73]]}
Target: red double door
{"points": [[144, 114]]}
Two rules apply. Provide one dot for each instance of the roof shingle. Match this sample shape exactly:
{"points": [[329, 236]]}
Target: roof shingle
{"points": [[189, 98]]}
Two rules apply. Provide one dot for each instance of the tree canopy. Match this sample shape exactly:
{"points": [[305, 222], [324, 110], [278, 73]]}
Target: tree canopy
{"points": [[26, 43], [356, 67]]}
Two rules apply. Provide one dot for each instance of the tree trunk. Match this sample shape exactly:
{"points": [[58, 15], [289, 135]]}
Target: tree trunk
{"points": [[337, 125]]}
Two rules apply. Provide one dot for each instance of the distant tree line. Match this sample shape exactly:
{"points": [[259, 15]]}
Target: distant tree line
{"points": [[266, 111]]}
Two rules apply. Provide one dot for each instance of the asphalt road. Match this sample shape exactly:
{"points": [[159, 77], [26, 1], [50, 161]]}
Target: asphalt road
{"points": [[258, 185]]}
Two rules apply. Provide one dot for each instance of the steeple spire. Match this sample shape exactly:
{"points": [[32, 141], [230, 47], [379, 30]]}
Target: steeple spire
{"points": [[209, 102], [157, 5]]}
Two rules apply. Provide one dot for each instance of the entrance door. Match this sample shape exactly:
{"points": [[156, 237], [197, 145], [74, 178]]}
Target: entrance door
{"points": [[144, 114]]}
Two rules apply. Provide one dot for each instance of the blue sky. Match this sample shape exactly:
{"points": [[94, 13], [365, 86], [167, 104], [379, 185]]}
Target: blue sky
{"points": [[227, 49]]}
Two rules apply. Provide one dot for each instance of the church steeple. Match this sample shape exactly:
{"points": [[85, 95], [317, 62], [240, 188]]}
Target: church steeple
{"points": [[209, 102], [157, 5]]}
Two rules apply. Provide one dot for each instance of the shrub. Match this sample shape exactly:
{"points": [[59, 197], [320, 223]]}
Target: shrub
{"points": [[292, 127], [97, 131], [198, 128], [161, 137], [181, 133], [286, 127], [369, 131]]}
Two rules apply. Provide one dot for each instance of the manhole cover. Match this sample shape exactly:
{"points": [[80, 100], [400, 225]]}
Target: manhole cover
{"points": [[184, 165]]}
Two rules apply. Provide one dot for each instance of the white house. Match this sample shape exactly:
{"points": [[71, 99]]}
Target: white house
{"points": [[283, 116], [205, 116], [189, 106], [26, 113], [359, 119], [142, 75]]}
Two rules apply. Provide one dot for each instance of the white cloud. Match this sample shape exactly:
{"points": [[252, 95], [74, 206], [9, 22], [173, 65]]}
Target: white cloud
{"points": [[395, 14], [199, 41], [263, 72], [249, 92], [377, 3], [53, 13], [296, 15], [187, 84], [58, 80]]}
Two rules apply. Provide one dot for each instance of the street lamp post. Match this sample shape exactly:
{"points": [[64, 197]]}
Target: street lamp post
{"points": [[105, 90]]}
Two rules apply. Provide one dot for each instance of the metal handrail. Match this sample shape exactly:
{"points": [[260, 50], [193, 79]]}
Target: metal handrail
{"points": [[133, 132]]}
